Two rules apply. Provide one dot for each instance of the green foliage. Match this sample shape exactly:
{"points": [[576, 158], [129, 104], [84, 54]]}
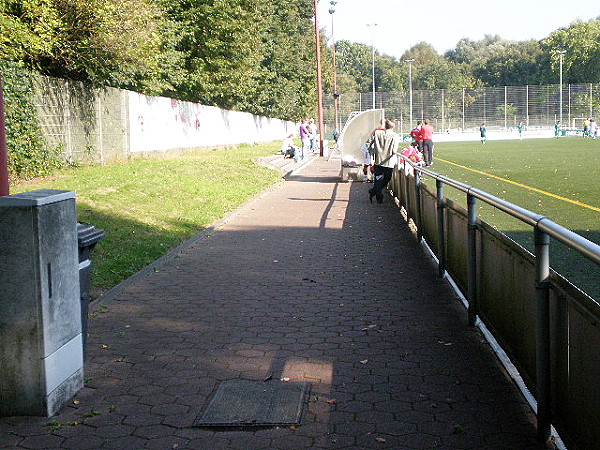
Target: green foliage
{"points": [[27, 153], [102, 41], [581, 62], [285, 81], [517, 63], [28, 29], [250, 55]]}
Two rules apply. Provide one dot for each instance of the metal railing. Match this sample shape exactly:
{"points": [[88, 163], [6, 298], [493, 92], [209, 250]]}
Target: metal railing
{"points": [[547, 326]]}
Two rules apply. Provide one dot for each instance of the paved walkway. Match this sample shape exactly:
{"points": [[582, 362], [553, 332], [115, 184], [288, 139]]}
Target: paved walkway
{"points": [[311, 282]]}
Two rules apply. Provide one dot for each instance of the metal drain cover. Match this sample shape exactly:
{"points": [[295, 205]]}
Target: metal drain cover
{"points": [[242, 403]]}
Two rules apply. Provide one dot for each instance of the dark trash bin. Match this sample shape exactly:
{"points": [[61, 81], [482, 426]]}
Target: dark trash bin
{"points": [[87, 238]]}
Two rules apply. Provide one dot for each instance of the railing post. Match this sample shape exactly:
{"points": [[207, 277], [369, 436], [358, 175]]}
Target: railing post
{"points": [[441, 228], [418, 220], [542, 288], [405, 186], [472, 259]]}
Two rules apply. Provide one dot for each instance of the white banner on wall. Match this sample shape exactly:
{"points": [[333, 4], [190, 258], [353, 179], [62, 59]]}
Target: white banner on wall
{"points": [[160, 123]]}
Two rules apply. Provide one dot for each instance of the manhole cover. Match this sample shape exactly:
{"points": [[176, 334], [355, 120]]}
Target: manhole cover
{"points": [[242, 403]]}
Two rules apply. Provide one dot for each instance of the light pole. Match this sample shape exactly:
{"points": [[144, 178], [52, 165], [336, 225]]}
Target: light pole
{"points": [[410, 90], [319, 82], [336, 96], [561, 53], [373, 25]]}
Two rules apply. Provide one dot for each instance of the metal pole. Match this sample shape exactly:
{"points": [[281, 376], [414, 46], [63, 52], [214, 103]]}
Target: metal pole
{"points": [[441, 228], [561, 53], [542, 287], [410, 90], [569, 96], [335, 92], [443, 113], [319, 82], [373, 25], [591, 101], [4, 185], [527, 104], [505, 108], [418, 220], [463, 109], [472, 258]]}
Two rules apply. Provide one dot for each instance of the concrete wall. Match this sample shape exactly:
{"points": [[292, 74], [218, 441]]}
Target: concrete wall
{"points": [[158, 123], [100, 125]]}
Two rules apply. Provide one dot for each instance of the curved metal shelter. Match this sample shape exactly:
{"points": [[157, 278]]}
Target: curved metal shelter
{"points": [[355, 133]]}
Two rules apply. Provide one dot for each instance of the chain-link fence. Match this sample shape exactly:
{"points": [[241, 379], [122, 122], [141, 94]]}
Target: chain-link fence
{"points": [[501, 108]]}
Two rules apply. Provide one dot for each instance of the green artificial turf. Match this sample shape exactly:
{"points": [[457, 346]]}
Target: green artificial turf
{"points": [[568, 168]]}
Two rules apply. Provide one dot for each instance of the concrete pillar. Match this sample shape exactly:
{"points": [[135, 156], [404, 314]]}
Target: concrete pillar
{"points": [[41, 353]]}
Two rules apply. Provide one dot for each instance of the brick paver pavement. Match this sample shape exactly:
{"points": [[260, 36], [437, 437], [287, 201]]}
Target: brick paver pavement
{"points": [[309, 281]]}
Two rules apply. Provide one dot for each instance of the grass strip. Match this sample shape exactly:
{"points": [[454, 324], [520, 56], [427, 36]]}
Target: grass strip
{"points": [[148, 206]]}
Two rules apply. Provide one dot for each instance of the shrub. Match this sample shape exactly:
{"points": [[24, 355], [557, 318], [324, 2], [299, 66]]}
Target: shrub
{"points": [[28, 155]]}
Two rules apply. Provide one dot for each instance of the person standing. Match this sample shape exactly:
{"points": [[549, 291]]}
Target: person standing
{"points": [[557, 129], [312, 129], [586, 127], [415, 134], [426, 135], [521, 128], [385, 148], [305, 138], [483, 133], [593, 128]]}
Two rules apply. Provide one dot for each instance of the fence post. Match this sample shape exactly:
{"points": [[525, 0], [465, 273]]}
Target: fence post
{"points": [[542, 288], [569, 89], [463, 109], [591, 101], [527, 105], [505, 108], [99, 125], [441, 228], [418, 220], [472, 258]]}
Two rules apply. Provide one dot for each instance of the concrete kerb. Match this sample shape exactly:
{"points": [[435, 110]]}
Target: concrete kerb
{"points": [[112, 293]]}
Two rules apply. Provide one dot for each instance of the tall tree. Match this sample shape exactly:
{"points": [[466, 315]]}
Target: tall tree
{"points": [[515, 64], [220, 45], [581, 62], [285, 78], [433, 71], [102, 41], [355, 60]]}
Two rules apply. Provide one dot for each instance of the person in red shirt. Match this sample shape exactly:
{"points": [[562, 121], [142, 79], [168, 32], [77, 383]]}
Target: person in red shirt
{"points": [[426, 135], [415, 134]]}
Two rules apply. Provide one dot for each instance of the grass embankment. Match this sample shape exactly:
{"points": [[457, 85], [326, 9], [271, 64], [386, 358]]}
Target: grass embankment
{"points": [[149, 206], [567, 170]]}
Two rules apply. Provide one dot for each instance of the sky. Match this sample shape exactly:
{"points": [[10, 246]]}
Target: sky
{"points": [[442, 23]]}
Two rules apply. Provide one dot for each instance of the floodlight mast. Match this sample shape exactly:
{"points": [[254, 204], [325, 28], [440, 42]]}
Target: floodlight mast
{"points": [[561, 53], [410, 89], [336, 97], [373, 25]]}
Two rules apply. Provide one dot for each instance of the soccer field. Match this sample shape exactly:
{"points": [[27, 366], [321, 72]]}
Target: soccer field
{"points": [[557, 178]]}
